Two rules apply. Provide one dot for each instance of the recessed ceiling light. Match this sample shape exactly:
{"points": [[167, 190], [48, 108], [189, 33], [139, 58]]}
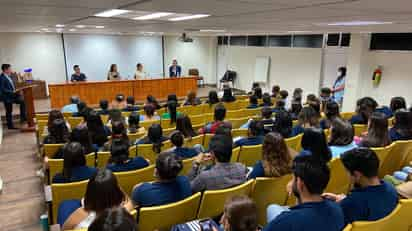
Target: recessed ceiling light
{"points": [[44, 29], [195, 16], [80, 26], [111, 13], [212, 30], [72, 30], [99, 27], [355, 23], [59, 25], [153, 16]]}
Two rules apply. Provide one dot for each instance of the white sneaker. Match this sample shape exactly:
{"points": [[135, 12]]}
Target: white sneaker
{"points": [[40, 173]]}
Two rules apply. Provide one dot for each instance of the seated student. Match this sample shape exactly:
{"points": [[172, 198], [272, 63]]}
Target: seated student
{"points": [[276, 91], [257, 91], [295, 108], [133, 121], [267, 101], [371, 199], [310, 178], [152, 100], [119, 132], [276, 159], [341, 137], [168, 187], [119, 102], [149, 115], [81, 135], [310, 99], [58, 133], [72, 106], [192, 99], [212, 98], [228, 96], [308, 118], [377, 135], [314, 144], [131, 107], [325, 97], [104, 107], [114, 219], [396, 104], [120, 160], [283, 124], [267, 120], [297, 94], [172, 112], [331, 112], [74, 165], [240, 214], [253, 102], [177, 140], [280, 106], [155, 137], [364, 108], [315, 104], [82, 110], [98, 132], [102, 192], [116, 115], [219, 116], [402, 126], [284, 97], [255, 135], [184, 125], [222, 174]]}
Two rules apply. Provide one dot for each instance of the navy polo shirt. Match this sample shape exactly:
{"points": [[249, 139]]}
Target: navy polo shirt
{"points": [[357, 119], [385, 110], [296, 130], [252, 106], [248, 141], [185, 153], [369, 204], [258, 171], [320, 216], [79, 173], [132, 164], [161, 193], [394, 135]]}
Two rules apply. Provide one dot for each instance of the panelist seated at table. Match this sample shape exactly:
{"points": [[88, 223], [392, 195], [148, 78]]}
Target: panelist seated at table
{"points": [[175, 70], [140, 73], [113, 74], [77, 76]]}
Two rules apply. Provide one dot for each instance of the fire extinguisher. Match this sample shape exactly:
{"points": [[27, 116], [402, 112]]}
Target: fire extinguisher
{"points": [[377, 76]]}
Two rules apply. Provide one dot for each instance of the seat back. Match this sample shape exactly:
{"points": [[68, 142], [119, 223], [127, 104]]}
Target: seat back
{"points": [[235, 155], [194, 110], [233, 114], [402, 220], [238, 122], [253, 112], [339, 180], [105, 118], [359, 129], [239, 132], [206, 140], [165, 216], [40, 126], [231, 106], [168, 131], [294, 142], [127, 180], [74, 121], [347, 115], [56, 165], [384, 224], [408, 157], [249, 155], [146, 151], [187, 166], [147, 124], [393, 161], [135, 136], [165, 123], [382, 153], [268, 191], [193, 141], [213, 200], [197, 119], [102, 159], [42, 116], [51, 149], [68, 191]]}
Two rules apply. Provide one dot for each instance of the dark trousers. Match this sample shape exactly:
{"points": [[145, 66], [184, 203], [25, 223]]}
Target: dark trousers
{"points": [[9, 110]]}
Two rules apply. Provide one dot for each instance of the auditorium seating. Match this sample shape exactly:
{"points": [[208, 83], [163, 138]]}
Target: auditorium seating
{"points": [[56, 165], [249, 155]]}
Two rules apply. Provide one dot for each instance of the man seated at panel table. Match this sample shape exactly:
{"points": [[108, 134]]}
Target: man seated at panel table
{"points": [[77, 76], [175, 70]]}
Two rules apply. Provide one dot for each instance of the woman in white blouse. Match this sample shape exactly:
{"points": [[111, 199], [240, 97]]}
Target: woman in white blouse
{"points": [[140, 74], [113, 73]]}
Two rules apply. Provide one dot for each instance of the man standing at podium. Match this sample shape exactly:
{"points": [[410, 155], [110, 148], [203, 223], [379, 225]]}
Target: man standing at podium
{"points": [[9, 96], [175, 70]]}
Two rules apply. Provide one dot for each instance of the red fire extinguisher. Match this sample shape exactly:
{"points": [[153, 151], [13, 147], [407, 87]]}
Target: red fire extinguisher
{"points": [[377, 76]]}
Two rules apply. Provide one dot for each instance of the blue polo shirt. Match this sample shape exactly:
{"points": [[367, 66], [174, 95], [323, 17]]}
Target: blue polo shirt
{"points": [[161, 193], [320, 216], [385, 110], [369, 204], [79, 173], [394, 135], [185, 153], [297, 130], [248, 141], [357, 119], [132, 164], [257, 171], [252, 106]]}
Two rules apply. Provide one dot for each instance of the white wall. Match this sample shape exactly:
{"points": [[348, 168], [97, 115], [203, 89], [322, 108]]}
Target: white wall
{"points": [[42, 52], [333, 58], [200, 54], [95, 54], [289, 68]]}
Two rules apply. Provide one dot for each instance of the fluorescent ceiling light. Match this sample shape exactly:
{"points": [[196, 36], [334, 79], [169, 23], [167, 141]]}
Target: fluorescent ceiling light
{"points": [[195, 16], [59, 25], [44, 29], [356, 23], [111, 13], [80, 26], [72, 30], [99, 27], [212, 30], [153, 16]]}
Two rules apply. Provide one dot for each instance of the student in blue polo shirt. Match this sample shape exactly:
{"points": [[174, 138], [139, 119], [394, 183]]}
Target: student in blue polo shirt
{"points": [[402, 126], [177, 140], [312, 212], [255, 135], [371, 199], [168, 188], [120, 161], [253, 102]]}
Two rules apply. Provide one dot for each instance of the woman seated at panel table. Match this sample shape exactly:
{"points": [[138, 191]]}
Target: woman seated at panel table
{"points": [[113, 73], [139, 74]]}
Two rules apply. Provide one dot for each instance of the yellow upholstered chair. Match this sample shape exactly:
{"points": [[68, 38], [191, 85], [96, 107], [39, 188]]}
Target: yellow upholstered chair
{"points": [[233, 114], [402, 220], [239, 132], [165, 123], [56, 165], [243, 103], [209, 109], [206, 140], [295, 122], [168, 131], [391, 121], [51, 149], [339, 179], [67, 191], [237, 123], [384, 224], [393, 161], [197, 119], [347, 115], [250, 154], [42, 116], [165, 216], [102, 159], [135, 136], [105, 118], [208, 118], [126, 113], [348, 228], [146, 151], [382, 153], [74, 121], [231, 106], [294, 142], [252, 112], [242, 97], [267, 191], [187, 166], [194, 110], [213, 200], [360, 128], [40, 126], [408, 158], [127, 180], [193, 141], [235, 155], [161, 111], [196, 127], [147, 124]]}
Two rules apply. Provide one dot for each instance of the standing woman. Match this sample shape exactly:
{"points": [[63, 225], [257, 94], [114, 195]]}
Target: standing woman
{"points": [[339, 86], [113, 73], [139, 74]]}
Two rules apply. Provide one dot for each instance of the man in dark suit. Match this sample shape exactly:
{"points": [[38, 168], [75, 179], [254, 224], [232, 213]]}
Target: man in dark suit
{"points": [[175, 70], [9, 96], [78, 76]]}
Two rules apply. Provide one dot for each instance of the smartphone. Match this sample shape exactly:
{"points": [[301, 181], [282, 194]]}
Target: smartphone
{"points": [[206, 225]]}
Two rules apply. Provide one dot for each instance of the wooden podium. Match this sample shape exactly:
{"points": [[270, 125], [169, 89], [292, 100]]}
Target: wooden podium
{"points": [[29, 102]]}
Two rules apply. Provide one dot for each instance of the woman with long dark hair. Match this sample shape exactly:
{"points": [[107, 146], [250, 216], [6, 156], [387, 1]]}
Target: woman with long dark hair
{"points": [[58, 132], [283, 124], [192, 99], [212, 98], [98, 132], [377, 135], [331, 112], [120, 160], [119, 133], [341, 137], [314, 143], [402, 127], [81, 135], [364, 108], [184, 125], [228, 96], [308, 117], [113, 73], [149, 110], [172, 112], [152, 100], [133, 121], [155, 137]]}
